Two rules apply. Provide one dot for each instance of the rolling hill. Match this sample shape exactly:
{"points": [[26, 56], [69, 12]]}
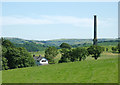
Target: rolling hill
{"points": [[35, 45], [103, 70], [57, 42]]}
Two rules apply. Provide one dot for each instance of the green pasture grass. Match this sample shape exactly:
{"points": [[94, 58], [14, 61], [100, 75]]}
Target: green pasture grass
{"points": [[103, 70], [0, 77]]}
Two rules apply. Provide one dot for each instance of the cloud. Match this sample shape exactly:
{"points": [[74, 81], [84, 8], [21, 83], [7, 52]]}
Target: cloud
{"points": [[23, 20], [44, 19], [83, 22]]}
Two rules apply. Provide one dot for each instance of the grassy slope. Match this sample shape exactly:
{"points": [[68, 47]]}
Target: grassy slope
{"points": [[104, 70], [0, 77]]}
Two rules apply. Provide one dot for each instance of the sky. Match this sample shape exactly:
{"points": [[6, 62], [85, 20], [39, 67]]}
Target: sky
{"points": [[56, 20]]}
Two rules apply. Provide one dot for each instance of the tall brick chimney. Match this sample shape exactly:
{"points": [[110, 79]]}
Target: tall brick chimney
{"points": [[95, 30]]}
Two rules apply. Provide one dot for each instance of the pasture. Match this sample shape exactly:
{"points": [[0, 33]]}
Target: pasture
{"points": [[103, 70]]}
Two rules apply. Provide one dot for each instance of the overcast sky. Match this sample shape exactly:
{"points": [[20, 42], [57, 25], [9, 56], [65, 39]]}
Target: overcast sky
{"points": [[55, 20]]}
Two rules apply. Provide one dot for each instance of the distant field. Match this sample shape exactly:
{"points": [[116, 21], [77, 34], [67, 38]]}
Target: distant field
{"points": [[0, 77], [103, 70]]}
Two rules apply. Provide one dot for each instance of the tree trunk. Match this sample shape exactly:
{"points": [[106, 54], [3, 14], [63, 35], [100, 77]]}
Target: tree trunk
{"points": [[95, 58], [80, 59]]}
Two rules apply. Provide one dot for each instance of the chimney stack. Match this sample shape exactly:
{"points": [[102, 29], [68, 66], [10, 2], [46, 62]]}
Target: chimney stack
{"points": [[95, 30]]}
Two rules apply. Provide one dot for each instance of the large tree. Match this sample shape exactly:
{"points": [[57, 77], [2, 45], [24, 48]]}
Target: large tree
{"points": [[65, 45], [78, 54], [13, 57], [50, 53], [95, 51], [65, 55]]}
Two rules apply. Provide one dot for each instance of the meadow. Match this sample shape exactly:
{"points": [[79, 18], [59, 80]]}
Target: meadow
{"points": [[103, 70]]}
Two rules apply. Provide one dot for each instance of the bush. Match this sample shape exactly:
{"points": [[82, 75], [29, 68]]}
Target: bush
{"points": [[95, 51], [114, 49], [106, 49], [50, 53], [65, 45], [73, 54]]}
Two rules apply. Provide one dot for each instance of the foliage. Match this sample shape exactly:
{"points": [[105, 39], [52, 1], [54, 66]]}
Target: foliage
{"points": [[95, 51], [78, 53], [6, 43], [114, 49], [65, 45], [31, 47], [65, 55], [4, 63], [73, 54], [50, 53], [13, 57], [106, 49]]}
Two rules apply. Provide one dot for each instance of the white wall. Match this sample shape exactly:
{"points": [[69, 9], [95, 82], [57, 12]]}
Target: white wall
{"points": [[43, 63]]}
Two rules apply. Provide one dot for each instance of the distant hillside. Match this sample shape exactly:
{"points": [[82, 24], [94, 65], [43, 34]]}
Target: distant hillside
{"points": [[35, 45], [21, 41], [58, 42]]}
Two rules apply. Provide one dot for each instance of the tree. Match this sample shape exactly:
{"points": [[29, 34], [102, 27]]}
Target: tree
{"points": [[65, 45], [65, 55], [79, 53], [4, 60], [106, 49], [118, 47], [114, 49], [73, 54], [6, 43], [4, 63], [95, 51], [13, 57], [26, 59], [50, 53]]}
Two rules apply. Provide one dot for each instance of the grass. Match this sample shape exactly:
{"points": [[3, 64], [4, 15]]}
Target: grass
{"points": [[103, 70], [0, 77]]}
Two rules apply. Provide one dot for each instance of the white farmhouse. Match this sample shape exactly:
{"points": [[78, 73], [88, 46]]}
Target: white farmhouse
{"points": [[40, 60]]}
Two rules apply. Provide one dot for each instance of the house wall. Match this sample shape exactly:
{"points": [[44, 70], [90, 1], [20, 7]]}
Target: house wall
{"points": [[43, 63]]}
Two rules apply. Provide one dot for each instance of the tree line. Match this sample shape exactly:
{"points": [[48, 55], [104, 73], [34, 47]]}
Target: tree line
{"points": [[15, 57], [31, 46], [69, 54], [117, 48]]}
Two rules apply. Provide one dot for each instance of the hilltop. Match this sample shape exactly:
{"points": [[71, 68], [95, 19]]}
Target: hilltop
{"points": [[36, 45], [57, 42]]}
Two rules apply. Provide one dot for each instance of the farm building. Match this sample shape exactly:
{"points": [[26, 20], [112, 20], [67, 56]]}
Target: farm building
{"points": [[40, 60]]}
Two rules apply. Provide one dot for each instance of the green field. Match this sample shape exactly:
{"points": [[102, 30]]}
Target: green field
{"points": [[103, 70]]}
